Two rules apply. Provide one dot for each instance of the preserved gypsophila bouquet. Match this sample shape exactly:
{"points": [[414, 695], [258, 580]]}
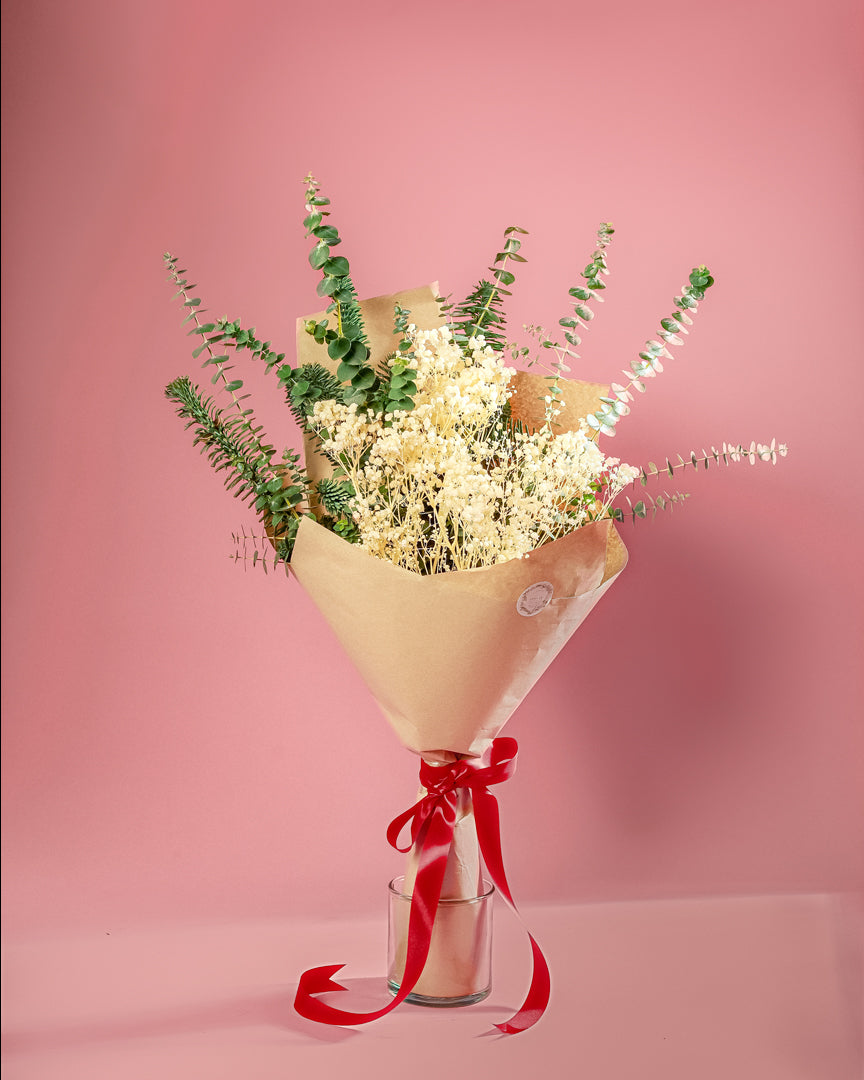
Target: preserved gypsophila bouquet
{"points": [[451, 485], [452, 491]]}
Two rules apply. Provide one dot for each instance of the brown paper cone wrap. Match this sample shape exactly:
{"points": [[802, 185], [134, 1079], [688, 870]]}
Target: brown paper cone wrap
{"points": [[448, 657]]}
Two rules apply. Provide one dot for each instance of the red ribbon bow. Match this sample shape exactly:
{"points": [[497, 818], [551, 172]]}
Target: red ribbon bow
{"points": [[432, 822]]}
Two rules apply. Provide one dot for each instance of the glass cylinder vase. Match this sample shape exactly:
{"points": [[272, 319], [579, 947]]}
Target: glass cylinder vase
{"points": [[458, 969]]}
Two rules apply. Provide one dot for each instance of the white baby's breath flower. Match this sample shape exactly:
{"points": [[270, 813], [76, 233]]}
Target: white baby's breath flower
{"points": [[449, 485]]}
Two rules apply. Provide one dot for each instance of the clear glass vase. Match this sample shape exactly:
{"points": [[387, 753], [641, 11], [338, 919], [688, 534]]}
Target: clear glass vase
{"points": [[458, 969]]}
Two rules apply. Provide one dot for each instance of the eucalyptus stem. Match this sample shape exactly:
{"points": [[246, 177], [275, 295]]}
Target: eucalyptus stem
{"points": [[649, 364], [728, 454], [231, 387]]}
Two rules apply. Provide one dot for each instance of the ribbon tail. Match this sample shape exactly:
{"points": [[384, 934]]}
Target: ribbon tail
{"points": [[537, 998], [315, 981], [489, 837], [433, 845]]}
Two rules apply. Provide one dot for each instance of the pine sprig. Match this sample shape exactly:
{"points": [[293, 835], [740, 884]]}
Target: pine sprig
{"points": [[335, 495], [306, 384], [481, 312], [228, 441], [232, 446]]}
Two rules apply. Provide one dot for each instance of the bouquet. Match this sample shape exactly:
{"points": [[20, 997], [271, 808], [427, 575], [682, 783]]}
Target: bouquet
{"points": [[451, 493]]}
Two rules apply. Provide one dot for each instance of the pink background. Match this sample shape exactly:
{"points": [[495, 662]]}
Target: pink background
{"points": [[185, 742]]}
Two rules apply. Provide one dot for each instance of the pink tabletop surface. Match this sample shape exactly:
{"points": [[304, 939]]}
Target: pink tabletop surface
{"points": [[760, 988]]}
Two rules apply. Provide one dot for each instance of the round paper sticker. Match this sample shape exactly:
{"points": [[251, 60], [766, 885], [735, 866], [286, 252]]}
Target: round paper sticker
{"points": [[535, 598]]}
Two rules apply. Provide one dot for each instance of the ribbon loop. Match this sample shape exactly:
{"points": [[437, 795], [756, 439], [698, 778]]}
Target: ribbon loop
{"points": [[432, 820]]}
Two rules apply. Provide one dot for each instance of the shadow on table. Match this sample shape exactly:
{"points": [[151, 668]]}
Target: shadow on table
{"points": [[273, 1009], [364, 995]]}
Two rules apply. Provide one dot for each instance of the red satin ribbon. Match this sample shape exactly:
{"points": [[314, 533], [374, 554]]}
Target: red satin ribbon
{"points": [[432, 822]]}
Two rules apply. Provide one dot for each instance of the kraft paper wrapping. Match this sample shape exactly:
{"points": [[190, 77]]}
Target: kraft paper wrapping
{"points": [[425, 645], [449, 657]]}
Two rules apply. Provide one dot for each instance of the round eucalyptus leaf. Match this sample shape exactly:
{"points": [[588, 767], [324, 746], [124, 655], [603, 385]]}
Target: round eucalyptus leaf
{"points": [[358, 354], [365, 379], [327, 286], [346, 372], [339, 347], [319, 255], [337, 266]]}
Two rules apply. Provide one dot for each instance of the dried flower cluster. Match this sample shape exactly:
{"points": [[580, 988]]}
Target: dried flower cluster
{"points": [[452, 484]]}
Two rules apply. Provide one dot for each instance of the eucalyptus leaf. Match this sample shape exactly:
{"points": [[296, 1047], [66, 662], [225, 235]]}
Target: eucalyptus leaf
{"points": [[337, 266]]}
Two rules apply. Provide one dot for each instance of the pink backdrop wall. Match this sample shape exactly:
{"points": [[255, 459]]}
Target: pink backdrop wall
{"points": [[185, 741]]}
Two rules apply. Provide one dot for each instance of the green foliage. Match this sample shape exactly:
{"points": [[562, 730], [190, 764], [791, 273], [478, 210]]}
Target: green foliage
{"points": [[218, 361], [347, 529], [257, 549], [396, 375], [649, 363], [347, 341], [481, 312], [397, 393], [230, 333], [581, 295], [400, 328], [231, 446], [278, 488], [223, 333], [648, 505], [233, 442], [728, 454], [335, 496], [226, 441], [307, 384]]}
